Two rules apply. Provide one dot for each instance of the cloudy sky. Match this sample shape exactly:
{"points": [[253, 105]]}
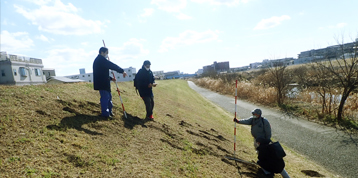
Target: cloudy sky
{"points": [[174, 35]]}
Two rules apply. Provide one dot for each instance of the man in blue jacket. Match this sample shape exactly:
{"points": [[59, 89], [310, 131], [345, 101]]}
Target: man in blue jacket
{"points": [[101, 80], [145, 83]]}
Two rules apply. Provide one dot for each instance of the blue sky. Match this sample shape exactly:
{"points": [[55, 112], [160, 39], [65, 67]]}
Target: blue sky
{"points": [[174, 35]]}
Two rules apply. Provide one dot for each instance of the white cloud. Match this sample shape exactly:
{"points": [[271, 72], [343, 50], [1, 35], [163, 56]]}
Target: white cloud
{"points": [[271, 22], [59, 19], [222, 2], [15, 42], [170, 5], [147, 12], [187, 38], [182, 16], [68, 61], [43, 38], [130, 50], [6, 22], [339, 25]]}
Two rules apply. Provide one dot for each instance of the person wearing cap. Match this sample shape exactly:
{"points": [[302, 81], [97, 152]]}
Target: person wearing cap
{"points": [[260, 127], [145, 82], [101, 80], [268, 163]]}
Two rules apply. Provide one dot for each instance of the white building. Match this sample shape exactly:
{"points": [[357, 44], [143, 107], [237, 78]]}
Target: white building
{"points": [[20, 70], [158, 74], [48, 72], [88, 77], [199, 72]]}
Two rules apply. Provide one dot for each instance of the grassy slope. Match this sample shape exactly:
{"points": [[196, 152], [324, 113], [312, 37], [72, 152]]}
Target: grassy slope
{"points": [[54, 131]]}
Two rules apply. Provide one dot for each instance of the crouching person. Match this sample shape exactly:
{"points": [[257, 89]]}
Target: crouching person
{"points": [[269, 163]]}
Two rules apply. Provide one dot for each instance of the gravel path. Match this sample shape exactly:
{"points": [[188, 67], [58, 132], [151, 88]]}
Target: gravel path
{"points": [[328, 147]]}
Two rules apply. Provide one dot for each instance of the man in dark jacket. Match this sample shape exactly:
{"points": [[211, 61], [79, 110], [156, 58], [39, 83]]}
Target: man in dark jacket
{"points": [[101, 80], [145, 83], [267, 161]]}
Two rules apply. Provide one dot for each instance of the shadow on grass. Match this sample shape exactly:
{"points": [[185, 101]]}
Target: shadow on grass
{"points": [[76, 122], [131, 121]]}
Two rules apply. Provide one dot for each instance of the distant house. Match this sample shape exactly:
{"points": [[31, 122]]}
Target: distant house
{"points": [[217, 67], [199, 72], [238, 69], [48, 73], [88, 77], [20, 70], [172, 75], [255, 65], [158, 75], [58, 79]]}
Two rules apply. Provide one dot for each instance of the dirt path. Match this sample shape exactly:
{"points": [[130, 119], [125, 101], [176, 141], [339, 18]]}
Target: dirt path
{"points": [[328, 147]]}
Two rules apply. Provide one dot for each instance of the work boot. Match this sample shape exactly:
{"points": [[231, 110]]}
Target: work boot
{"points": [[150, 118], [111, 114]]}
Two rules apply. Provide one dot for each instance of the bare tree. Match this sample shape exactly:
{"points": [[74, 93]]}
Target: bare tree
{"points": [[344, 69], [300, 75], [322, 82], [279, 78]]}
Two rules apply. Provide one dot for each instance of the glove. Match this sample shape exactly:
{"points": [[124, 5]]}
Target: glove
{"points": [[235, 120]]}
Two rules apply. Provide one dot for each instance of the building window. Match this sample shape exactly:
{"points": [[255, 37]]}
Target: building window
{"points": [[89, 75], [37, 72], [3, 73], [130, 76], [89, 80], [83, 75], [23, 72], [129, 70], [118, 77], [15, 73]]}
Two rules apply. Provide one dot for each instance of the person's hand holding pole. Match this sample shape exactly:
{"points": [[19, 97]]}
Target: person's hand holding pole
{"points": [[152, 85]]}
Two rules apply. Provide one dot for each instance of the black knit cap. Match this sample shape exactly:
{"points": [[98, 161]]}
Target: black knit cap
{"points": [[146, 63]]}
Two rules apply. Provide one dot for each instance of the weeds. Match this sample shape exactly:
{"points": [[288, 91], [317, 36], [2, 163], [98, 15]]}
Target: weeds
{"points": [[30, 171], [14, 159], [49, 174]]}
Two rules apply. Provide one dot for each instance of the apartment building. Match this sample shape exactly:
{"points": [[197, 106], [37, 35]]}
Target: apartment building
{"points": [[20, 70]]}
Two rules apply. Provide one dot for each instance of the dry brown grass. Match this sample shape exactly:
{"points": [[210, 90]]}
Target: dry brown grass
{"points": [[54, 131], [246, 90]]}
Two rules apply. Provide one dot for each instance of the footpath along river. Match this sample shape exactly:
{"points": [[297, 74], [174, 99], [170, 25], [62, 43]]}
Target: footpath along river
{"points": [[327, 146]]}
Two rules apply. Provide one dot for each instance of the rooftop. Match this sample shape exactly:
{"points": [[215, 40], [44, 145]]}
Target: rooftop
{"points": [[11, 57]]}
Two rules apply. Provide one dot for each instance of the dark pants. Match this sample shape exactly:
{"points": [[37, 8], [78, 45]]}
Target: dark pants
{"points": [[106, 102], [149, 104]]}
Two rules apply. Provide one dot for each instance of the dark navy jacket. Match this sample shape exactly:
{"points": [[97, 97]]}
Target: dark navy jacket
{"points": [[268, 161], [101, 78], [144, 78]]}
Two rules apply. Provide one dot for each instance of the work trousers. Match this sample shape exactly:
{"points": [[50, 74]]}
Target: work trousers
{"points": [[106, 102], [149, 105]]}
